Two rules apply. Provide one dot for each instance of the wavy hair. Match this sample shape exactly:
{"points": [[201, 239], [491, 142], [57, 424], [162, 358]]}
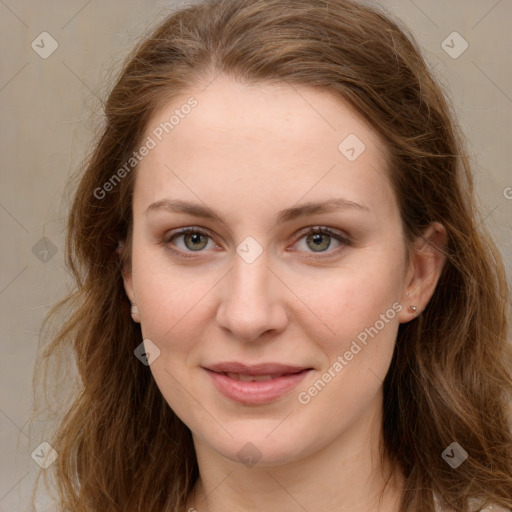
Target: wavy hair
{"points": [[120, 446]]}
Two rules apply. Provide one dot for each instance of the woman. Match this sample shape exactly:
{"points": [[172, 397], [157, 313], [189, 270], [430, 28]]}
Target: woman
{"points": [[286, 299]]}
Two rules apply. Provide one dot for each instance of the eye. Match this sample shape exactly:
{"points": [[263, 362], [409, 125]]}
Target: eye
{"points": [[318, 239], [194, 240]]}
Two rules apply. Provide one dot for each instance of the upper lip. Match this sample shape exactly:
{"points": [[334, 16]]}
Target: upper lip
{"points": [[257, 369]]}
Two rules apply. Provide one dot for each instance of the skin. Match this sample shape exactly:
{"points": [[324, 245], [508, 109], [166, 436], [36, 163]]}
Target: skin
{"points": [[248, 152]]}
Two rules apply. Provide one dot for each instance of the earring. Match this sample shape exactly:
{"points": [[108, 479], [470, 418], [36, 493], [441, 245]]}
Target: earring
{"points": [[135, 310], [414, 308]]}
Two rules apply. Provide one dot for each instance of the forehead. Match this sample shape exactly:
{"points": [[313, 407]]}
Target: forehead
{"points": [[297, 140], [276, 113]]}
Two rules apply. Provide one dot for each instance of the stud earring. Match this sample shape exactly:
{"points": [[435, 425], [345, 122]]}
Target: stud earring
{"points": [[414, 308]]}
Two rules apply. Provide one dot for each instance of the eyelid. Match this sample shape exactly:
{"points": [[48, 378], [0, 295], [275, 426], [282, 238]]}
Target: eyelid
{"points": [[340, 236]]}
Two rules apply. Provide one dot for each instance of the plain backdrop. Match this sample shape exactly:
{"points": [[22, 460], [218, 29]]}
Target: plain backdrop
{"points": [[50, 109]]}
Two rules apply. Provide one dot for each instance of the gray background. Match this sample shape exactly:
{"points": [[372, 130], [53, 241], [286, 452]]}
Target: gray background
{"points": [[50, 111]]}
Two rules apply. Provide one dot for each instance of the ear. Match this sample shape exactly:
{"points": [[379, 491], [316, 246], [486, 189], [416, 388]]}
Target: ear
{"points": [[425, 268], [128, 282]]}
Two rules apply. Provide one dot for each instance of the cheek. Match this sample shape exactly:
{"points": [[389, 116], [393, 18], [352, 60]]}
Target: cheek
{"points": [[364, 317], [350, 302], [168, 298]]}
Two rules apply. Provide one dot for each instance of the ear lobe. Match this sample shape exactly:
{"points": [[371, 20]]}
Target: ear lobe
{"points": [[426, 266], [128, 282], [128, 287]]}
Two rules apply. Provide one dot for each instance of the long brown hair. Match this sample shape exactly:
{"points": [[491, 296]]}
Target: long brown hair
{"points": [[120, 446]]}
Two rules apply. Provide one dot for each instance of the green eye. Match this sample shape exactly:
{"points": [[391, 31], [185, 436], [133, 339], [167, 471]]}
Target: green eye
{"points": [[196, 239], [318, 240]]}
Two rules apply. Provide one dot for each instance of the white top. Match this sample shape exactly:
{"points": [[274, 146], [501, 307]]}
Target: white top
{"points": [[490, 508]]}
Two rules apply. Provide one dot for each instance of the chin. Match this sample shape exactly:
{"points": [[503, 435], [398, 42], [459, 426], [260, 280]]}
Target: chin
{"points": [[261, 446]]}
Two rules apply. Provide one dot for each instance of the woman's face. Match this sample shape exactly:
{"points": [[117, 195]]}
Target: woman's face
{"points": [[257, 293]]}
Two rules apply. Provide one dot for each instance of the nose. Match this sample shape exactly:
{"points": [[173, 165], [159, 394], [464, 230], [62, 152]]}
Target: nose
{"points": [[252, 304]]}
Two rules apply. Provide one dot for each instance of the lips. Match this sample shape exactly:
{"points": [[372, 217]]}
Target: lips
{"points": [[257, 369], [252, 378], [255, 384]]}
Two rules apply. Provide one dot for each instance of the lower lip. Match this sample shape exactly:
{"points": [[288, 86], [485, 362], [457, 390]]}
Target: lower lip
{"points": [[256, 393]]}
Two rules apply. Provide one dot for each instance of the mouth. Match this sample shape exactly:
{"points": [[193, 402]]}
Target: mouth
{"points": [[255, 385], [254, 378]]}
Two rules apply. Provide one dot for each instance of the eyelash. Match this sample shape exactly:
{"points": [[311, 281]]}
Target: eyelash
{"points": [[317, 229]]}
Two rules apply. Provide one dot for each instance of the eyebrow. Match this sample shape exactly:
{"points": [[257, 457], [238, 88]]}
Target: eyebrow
{"points": [[286, 215]]}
